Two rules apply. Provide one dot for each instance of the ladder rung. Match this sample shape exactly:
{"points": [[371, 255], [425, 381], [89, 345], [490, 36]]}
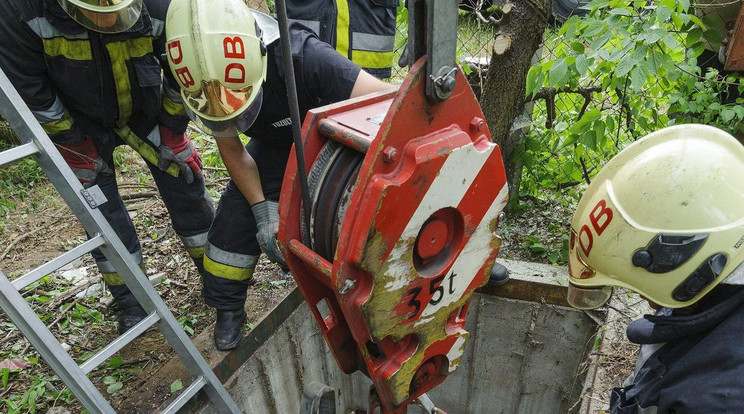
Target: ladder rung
{"points": [[58, 262], [185, 396], [119, 343], [16, 153]]}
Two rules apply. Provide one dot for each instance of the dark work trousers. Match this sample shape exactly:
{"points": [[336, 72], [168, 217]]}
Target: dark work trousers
{"points": [[190, 208], [233, 231]]}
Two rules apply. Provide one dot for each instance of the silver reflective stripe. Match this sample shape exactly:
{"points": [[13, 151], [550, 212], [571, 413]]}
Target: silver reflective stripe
{"points": [[105, 267], [242, 261], [647, 410], [45, 30], [644, 353], [53, 113], [197, 240], [372, 42], [172, 94], [157, 27], [312, 24]]}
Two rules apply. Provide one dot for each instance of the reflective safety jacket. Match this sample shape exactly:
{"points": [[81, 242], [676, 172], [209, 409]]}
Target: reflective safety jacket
{"points": [[82, 83], [362, 30]]}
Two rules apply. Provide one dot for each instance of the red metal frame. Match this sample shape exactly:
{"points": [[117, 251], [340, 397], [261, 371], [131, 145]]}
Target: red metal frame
{"points": [[418, 237]]}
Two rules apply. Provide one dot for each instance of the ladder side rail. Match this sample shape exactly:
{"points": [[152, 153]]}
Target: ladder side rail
{"points": [[24, 317], [29, 130]]}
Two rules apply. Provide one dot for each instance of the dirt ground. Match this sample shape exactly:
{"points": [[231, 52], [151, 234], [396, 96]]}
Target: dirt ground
{"points": [[42, 227]]}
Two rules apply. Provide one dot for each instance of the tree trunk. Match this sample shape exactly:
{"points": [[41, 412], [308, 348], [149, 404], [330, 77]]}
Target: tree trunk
{"points": [[520, 35]]}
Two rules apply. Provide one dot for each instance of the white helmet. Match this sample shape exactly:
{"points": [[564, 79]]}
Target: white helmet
{"points": [[105, 16], [216, 54], [665, 218]]}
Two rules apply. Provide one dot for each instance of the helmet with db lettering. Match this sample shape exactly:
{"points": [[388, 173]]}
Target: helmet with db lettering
{"points": [[217, 55], [664, 218], [104, 16]]}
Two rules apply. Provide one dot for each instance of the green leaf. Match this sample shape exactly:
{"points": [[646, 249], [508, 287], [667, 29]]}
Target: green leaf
{"points": [[532, 86], [624, 67], [727, 114], [739, 111], [176, 385], [637, 79], [114, 388], [558, 73], [619, 11], [582, 64]]}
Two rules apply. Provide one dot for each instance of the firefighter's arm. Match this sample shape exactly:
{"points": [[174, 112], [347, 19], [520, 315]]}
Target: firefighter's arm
{"points": [[241, 167], [22, 60], [366, 83], [244, 172]]}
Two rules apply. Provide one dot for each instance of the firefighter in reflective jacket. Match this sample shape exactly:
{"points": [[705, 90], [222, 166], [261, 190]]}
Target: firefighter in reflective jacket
{"points": [[89, 71], [362, 30], [228, 62]]}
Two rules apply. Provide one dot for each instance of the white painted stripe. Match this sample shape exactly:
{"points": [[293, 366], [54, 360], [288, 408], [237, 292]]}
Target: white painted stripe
{"points": [[449, 187], [458, 348], [470, 260]]}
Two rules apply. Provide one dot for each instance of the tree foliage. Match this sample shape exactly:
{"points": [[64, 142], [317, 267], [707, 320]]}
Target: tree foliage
{"points": [[629, 68]]}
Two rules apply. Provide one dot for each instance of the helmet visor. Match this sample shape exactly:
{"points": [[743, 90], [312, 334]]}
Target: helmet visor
{"points": [[104, 16], [588, 298], [228, 126]]}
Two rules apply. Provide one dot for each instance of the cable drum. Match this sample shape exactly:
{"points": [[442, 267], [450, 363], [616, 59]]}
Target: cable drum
{"points": [[331, 182]]}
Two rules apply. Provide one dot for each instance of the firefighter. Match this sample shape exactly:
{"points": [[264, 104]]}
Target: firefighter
{"points": [[362, 30], [89, 71], [228, 62], [664, 218]]}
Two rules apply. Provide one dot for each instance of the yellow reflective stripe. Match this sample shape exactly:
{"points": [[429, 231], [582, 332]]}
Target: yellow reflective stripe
{"points": [[112, 279], [60, 125], [227, 272], [196, 252], [172, 108], [342, 27], [372, 60], [70, 49], [144, 149], [120, 53]]}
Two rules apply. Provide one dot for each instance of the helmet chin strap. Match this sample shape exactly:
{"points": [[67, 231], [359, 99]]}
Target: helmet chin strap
{"points": [[736, 277]]}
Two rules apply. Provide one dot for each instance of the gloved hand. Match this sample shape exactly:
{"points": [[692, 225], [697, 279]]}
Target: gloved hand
{"points": [[176, 148], [266, 213], [84, 160]]}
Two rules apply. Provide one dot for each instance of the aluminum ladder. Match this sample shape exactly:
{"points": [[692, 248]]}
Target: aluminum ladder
{"points": [[83, 203]]}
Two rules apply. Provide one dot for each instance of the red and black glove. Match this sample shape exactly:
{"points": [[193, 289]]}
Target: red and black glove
{"points": [[84, 160], [176, 148]]}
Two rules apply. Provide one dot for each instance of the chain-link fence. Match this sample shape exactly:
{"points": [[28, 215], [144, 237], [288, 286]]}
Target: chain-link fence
{"points": [[558, 167]]}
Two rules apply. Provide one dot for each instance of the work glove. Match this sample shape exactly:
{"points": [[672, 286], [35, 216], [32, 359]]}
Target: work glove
{"points": [[176, 148], [84, 160], [266, 213]]}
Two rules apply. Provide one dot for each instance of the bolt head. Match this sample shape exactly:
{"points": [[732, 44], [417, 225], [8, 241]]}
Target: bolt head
{"points": [[391, 155], [477, 124]]}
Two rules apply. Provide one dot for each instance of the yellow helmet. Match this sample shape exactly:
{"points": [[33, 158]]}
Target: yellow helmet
{"points": [[664, 217], [215, 52], [105, 16]]}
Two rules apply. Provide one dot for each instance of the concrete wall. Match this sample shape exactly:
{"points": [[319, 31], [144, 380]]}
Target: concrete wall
{"points": [[525, 356]]}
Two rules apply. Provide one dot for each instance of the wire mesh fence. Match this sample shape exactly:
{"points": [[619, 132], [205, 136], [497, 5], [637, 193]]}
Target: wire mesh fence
{"points": [[561, 167]]}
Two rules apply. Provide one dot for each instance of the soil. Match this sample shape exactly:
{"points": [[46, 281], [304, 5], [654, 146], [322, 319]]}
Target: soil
{"points": [[42, 227]]}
